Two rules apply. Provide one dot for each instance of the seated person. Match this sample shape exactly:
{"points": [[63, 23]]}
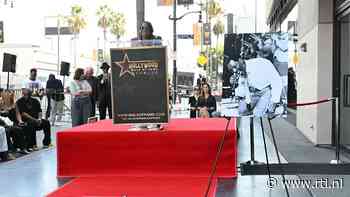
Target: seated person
{"points": [[29, 113], [206, 102], [4, 154], [14, 134]]}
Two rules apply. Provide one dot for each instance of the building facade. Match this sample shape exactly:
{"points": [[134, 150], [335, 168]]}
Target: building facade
{"points": [[324, 69]]}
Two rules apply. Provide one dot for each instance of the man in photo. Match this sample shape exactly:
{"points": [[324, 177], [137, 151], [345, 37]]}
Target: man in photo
{"points": [[264, 85]]}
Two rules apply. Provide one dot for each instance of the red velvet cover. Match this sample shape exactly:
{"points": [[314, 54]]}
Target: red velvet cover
{"points": [[184, 148]]}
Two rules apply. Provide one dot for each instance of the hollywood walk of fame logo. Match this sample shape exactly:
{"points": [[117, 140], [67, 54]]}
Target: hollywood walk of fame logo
{"points": [[139, 68], [124, 66]]}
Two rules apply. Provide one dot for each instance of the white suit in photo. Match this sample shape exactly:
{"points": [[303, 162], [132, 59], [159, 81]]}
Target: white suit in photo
{"points": [[263, 76]]}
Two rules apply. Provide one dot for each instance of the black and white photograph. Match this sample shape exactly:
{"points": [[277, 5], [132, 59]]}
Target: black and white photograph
{"points": [[255, 75]]}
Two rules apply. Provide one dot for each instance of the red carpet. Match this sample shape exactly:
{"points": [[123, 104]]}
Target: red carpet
{"points": [[185, 148], [135, 187]]}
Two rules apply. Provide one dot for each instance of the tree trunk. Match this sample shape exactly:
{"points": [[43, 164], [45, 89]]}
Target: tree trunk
{"points": [[104, 43], [75, 50]]}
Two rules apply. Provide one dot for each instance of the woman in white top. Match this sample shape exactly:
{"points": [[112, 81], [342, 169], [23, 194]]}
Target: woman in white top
{"points": [[80, 90]]}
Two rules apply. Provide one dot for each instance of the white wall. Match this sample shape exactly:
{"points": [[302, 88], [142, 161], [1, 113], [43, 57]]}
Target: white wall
{"points": [[315, 69]]}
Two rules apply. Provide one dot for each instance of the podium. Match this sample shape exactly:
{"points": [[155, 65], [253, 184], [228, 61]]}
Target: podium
{"points": [[139, 83]]}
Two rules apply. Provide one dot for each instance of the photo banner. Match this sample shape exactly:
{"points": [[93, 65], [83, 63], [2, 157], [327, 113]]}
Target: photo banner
{"points": [[255, 75], [139, 85]]}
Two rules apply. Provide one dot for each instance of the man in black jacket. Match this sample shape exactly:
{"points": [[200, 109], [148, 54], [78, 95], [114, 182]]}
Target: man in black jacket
{"points": [[104, 92], [30, 113], [55, 97]]}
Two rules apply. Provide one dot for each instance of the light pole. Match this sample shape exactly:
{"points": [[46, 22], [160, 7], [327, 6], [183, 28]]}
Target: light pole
{"points": [[256, 17], [175, 19], [174, 51], [58, 44]]}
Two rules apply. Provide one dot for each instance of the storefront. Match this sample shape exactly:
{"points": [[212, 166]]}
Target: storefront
{"points": [[342, 66]]}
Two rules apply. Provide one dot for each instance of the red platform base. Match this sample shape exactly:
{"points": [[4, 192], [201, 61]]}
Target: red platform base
{"points": [[136, 187], [184, 148]]}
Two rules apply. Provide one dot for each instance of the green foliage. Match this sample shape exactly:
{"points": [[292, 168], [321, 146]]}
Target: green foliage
{"points": [[104, 14], [118, 24], [112, 20], [218, 52], [76, 20], [214, 9], [218, 28]]}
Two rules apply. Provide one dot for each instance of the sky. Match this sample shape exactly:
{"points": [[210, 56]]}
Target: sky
{"points": [[24, 24]]}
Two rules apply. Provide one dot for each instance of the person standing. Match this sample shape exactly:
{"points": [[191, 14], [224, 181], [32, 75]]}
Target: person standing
{"points": [[34, 85], [193, 101], [49, 93], [54, 91], [104, 92], [206, 102], [145, 36], [80, 90], [93, 81]]}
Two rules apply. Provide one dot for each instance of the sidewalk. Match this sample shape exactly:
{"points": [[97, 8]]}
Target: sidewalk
{"points": [[295, 147]]}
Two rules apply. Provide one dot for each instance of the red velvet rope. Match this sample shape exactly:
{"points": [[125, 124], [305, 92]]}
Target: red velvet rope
{"points": [[289, 104], [310, 103]]}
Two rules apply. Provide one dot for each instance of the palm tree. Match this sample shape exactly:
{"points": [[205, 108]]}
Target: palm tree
{"points": [[218, 29], [76, 22], [217, 58], [214, 9], [118, 24], [104, 14]]}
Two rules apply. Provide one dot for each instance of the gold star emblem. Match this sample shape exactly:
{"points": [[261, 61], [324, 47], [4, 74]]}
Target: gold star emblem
{"points": [[124, 66]]}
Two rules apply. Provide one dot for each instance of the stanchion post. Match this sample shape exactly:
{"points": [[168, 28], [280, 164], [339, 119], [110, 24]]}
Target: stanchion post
{"points": [[8, 81], [337, 132], [252, 143], [64, 77], [252, 148], [337, 101]]}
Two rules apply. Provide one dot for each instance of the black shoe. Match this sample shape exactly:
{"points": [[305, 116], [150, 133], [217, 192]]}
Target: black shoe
{"points": [[24, 152], [7, 157]]}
